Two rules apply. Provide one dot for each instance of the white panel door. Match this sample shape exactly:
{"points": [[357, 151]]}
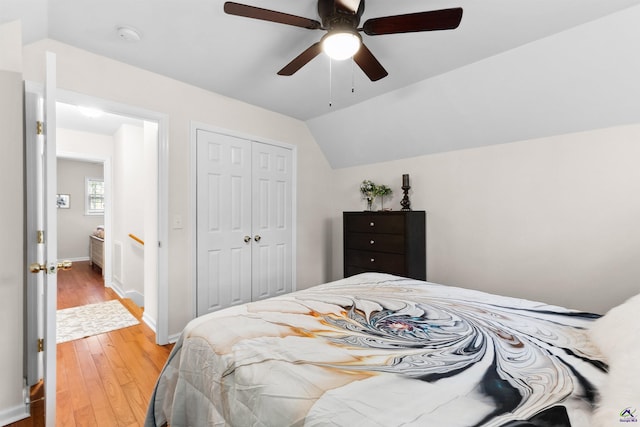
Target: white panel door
{"points": [[244, 221], [223, 221], [272, 221]]}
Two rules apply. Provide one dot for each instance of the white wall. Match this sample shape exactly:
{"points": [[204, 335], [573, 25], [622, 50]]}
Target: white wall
{"points": [[552, 219], [89, 74], [74, 227], [83, 144], [129, 195], [12, 276]]}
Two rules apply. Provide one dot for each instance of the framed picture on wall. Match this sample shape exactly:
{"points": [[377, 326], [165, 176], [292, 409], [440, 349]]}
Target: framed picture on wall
{"points": [[63, 201]]}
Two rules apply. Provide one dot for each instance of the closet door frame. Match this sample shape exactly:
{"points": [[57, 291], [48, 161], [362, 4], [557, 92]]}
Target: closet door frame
{"points": [[193, 176]]}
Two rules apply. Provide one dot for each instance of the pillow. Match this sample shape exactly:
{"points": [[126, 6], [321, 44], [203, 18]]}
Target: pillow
{"points": [[617, 335], [619, 330]]}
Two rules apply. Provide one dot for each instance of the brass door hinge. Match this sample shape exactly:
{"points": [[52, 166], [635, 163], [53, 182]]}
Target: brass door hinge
{"points": [[40, 345], [39, 128], [40, 237]]}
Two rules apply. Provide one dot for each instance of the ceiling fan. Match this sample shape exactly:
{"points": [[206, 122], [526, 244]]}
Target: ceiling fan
{"points": [[340, 18]]}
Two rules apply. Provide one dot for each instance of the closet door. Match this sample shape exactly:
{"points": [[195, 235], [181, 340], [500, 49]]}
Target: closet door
{"points": [[272, 221], [223, 221], [244, 221]]}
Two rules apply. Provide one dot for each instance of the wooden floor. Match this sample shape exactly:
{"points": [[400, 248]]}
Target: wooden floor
{"points": [[107, 379]]}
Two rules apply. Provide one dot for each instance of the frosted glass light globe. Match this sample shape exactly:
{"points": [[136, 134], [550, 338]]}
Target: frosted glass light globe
{"points": [[341, 45]]}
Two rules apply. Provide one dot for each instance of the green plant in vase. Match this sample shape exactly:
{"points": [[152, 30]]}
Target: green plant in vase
{"points": [[368, 191], [382, 191]]}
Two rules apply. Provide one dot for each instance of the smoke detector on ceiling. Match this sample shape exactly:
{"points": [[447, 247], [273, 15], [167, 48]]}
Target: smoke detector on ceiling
{"points": [[128, 34]]}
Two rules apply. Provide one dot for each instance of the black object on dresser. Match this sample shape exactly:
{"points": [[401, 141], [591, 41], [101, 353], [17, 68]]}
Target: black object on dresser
{"points": [[387, 242]]}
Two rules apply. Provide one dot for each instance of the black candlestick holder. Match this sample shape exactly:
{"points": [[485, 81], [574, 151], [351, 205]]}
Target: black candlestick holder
{"points": [[405, 202]]}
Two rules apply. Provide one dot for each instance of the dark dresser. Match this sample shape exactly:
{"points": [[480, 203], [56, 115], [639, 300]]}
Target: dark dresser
{"points": [[386, 242]]}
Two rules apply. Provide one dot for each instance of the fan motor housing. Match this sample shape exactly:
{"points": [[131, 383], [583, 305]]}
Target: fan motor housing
{"points": [[336, 17]]}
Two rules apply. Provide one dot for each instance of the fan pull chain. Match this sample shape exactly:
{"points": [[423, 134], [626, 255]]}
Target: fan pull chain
{"points": [[330, 93], [353, 84]]}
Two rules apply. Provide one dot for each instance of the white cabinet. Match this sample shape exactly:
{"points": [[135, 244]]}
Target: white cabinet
{"points": [[244, 220], [96, 251]]}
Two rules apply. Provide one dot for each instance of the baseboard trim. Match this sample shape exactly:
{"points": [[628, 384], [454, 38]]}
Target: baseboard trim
{"points": [[78, 259], [151, 323], [136, 297], [17, 413], [116, 288]]}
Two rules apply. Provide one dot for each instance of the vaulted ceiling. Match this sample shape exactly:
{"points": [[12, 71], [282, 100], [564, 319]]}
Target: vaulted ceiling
{"points": [[512, 70]]}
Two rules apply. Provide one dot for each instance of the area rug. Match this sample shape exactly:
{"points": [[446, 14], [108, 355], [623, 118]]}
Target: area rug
{"points": [[93, 319]]}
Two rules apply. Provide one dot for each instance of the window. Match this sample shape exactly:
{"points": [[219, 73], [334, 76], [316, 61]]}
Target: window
{"points": [[94, 201]]}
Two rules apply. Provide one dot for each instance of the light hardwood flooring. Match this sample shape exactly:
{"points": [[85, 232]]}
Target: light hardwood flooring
{"points": [[103, 380]]}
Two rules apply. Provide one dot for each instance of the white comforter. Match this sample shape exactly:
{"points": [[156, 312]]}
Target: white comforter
{"points": [[379, 350]]}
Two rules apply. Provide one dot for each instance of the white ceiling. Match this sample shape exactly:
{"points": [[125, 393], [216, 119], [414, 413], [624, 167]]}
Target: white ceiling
{"points": [[69, 116], [195, 42]]}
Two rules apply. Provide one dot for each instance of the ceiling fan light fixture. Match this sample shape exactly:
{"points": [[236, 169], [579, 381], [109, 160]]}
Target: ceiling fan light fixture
{"points": [[340, 45]]}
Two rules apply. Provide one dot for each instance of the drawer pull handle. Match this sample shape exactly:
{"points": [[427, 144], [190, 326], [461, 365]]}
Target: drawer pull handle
{"points": [[371, 224], [373, 260], [372, 242]]}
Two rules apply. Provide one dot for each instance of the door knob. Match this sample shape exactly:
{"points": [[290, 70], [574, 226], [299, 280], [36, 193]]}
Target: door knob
{"points": [[51, 268], [247, 239], [257, 238], [37, 267]]}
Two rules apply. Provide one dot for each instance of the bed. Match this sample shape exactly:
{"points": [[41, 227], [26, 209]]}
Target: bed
{"points": [[381, 350]]}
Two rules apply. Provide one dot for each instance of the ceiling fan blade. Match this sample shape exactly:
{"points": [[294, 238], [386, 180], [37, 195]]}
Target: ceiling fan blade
{"points": [[270, 15], [301, 60], [445, 19], [369, 64]]}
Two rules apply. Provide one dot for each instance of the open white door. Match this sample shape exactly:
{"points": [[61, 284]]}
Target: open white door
{"points": [[40, 118], [50, 242]]}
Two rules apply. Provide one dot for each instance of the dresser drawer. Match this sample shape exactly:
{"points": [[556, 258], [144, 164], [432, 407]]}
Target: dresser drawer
{"points": [[385, 223], [376, 261], [394, 243]]}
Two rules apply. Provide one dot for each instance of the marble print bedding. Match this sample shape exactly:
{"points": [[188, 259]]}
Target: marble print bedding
{"points": [[381, 350]]}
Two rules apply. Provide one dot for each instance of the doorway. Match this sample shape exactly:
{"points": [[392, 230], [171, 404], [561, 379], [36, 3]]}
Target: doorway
{"points": [[156, 312], [100, 158], [154, 294]]}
